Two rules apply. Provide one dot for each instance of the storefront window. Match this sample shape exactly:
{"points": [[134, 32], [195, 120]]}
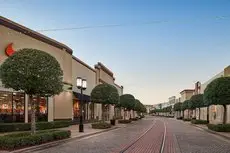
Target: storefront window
{"points": [[41, 106], [11, 107]]}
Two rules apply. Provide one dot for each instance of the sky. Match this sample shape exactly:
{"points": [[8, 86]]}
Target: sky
{"points": [[162, 47]]}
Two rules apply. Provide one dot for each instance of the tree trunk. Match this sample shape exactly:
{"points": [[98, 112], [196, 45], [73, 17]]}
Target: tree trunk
{"points": [[195, 113], [199, 113], [33, 122], [225, 114], [208, 114]]}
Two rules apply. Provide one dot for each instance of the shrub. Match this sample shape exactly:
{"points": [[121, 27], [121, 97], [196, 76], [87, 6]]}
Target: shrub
{"points": [[9, 127], [199, 122], [219, 127], [186, 119], [101, 125], [134, 119], [179, 118], [124, 121], [14, 141]]}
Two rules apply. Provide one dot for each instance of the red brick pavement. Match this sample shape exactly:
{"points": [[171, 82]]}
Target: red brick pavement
{"points": [[151, 141]]}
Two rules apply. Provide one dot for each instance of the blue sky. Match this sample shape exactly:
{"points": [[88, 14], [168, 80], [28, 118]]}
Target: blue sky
{"points": [[189, 40]]}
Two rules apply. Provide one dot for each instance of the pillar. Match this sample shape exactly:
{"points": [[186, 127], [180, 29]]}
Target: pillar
{"points": [[50, 109], [26, 108]]}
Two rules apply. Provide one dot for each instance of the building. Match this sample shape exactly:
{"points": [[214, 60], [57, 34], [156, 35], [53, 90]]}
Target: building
{"points": [[14, 105], [149, 108], [215, 112], [186, 94]]}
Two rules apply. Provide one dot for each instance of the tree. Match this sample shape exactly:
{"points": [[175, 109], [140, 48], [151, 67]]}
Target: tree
{"points": [[127, 101], [185, 106], [105, 94], [35, 72], [196, 101], [177, 106], [218, 93]]}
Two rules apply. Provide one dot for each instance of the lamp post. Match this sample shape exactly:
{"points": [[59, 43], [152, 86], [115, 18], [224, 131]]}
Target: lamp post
{"points": [[82, 85]]}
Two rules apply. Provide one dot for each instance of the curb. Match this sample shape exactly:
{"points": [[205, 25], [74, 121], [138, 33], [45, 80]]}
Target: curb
{"points": [[58, 142], [212, 132]]}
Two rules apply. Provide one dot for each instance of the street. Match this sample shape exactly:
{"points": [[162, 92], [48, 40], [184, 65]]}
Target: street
{"points": [[149, 135]]}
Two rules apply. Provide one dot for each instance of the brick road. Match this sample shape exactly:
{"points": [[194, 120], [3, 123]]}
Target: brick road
{"points": [[179, 138]]}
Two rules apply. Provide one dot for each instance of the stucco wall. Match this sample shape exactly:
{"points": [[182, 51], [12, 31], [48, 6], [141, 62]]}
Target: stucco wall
{"points": [[80, 70], [21, 41], [105, 77], [63, 106]]}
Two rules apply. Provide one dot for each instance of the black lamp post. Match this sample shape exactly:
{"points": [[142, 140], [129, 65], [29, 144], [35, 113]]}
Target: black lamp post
{"points": [[82, 85]]}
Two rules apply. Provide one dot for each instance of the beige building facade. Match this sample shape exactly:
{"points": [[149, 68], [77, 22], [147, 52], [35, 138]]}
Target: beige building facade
{"points": [[14, 106]]}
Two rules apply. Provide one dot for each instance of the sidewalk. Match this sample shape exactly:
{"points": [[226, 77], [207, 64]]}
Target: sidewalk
{"points": [[75, 135], [225, 135]]}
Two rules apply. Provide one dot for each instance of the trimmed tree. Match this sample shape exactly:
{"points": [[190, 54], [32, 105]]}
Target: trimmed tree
{"points": [[35, 72], [218, 93], [105, 94], [185, 106], [196, 101], [127, 101], [177, 107]]}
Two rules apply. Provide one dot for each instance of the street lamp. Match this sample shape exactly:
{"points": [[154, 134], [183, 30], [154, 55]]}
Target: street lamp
{"points": [[82, 85]]}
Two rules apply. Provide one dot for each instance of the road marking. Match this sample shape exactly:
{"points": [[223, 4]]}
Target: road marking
{"points": [[163, 143], [130, 145]]}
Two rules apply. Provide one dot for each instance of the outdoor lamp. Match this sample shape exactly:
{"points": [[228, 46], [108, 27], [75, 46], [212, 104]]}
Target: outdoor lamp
{"points": [[82, 85]]}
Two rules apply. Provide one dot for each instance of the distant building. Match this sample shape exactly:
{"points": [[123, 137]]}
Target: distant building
{"points": [[149, 108], [186, 94]]}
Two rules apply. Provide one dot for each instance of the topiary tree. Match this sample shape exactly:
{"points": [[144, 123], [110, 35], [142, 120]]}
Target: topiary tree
{"points": [[218, 93], [196, 101], [35, 72], [105, 94], [127, 101], [185, 106], [177, 108]]}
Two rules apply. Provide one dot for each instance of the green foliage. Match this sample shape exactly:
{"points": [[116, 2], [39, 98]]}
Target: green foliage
{"points": [[177, 106], [185, 105], [124, 121], [196, 101], [101, 125], [217, 92], [33, 71], [105, 94], [199, 122], [14, 141], [186, 119], [163, 110], [10, 127], [219, 127], [127, 101], [139, 107]]}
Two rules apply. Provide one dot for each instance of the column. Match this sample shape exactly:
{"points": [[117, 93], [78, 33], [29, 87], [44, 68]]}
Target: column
{"points": [[26, 108], [50, 109], [111, 112]]}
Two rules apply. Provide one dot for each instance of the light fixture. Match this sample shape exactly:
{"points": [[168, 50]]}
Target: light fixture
{"points": [[79, 82], [84, 84]]}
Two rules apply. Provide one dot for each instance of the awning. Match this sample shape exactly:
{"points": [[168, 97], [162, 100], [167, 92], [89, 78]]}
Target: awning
{"points": [[86, 98]]}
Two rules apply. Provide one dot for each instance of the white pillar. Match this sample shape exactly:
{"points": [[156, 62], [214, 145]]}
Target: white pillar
{"points": [[51, 109], [111, 112], [26, 108]]}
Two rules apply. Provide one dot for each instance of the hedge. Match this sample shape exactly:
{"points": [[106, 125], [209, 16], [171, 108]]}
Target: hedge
{"points": [[124, 121], [186, 119], [25, 139], [219, 127], [199, 122], [134, 119], [9, 127], [101, 125]]}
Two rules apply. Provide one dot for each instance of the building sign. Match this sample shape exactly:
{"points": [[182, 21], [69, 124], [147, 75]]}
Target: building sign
{"points": [[9, 50]]}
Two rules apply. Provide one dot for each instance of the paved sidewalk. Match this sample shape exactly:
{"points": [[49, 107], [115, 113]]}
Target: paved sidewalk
{"points": [[225, 135], [75, 134]]}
